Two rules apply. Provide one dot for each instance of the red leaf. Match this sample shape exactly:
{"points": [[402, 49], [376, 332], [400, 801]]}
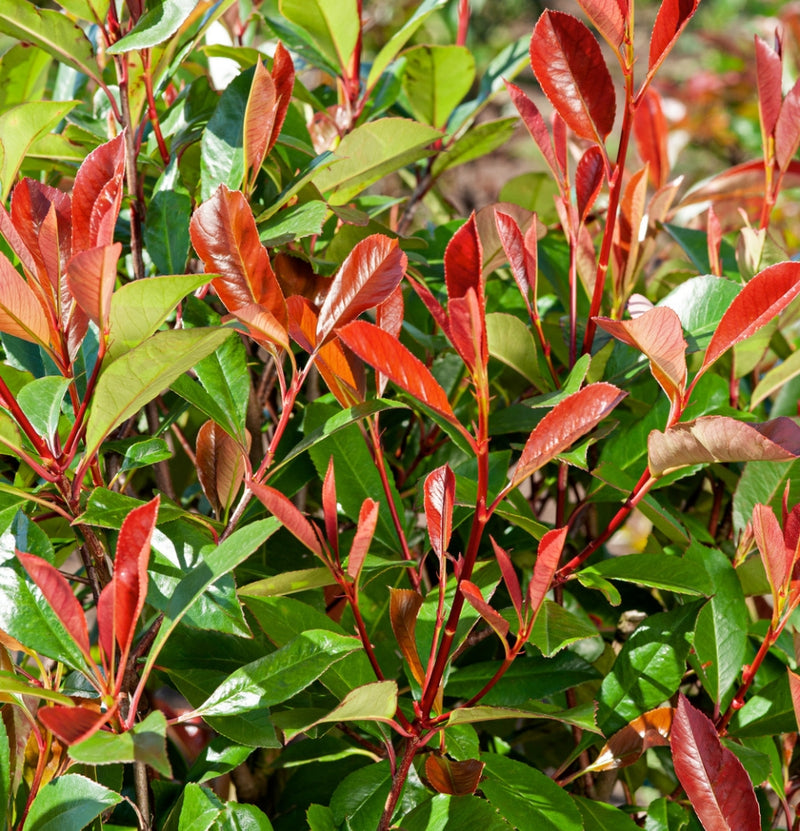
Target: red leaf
{"points": [[290, 516], [122, 600], [367, 520], [650, 134], [626, 746], [283, 77], [59, 595], [73, 724], [371, 272], [263, 326], [404, 605], [389, 356], [330, 508], [764, 297], [626, 232], [522, 254], [220, 462], [569, 65], [225, 236], [452, 777], [673, 15], [475, 599], [550, 547], [608, 17], [570, 419], [787, 128], [721, 439], [259, 117], [440, 494], [775, 554], [21, 313], [389, 316], [659, 335], [91, 276], [715, 781], [589, 179], [533, 120], [468, 330], [794, 687], [509, 576], [97, 195], [463, 261], [769, 73]]}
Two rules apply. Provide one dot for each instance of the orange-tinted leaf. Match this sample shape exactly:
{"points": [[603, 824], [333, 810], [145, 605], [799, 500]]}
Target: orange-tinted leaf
{"points": [[467, 331], [452, 777], [522, 254], [650, 134], [775, 554], [589, 179], [371, 272], [440, 494], [97, 195], [493, 618], [91, 276], [389, 316], [769, 74], [787, 127], [290, 516], [715, 781], [533, 120], [651, 729], [330, 509], [72, 724], [658, 334], [225, 236], [384, 352], [550, 547], [262, 325], [570, 419], [21, 313], [764, 297], [283, 77], [714, 241], [220, 465], [794, 687], [608, 17], [569, 66], [509, 576], [626, 236], [721, 439], [259, 117], [367, 519], [59, 595], [673, 15], [404, 605]]}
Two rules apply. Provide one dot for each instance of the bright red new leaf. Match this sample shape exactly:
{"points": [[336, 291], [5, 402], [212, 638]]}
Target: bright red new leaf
{"points": [[522, 254], [330, 509], [289, 515], [608, 17], [568, 64], [769, 72], [97, 195], [91, 276], [794, 687], [650, 134], [775, 554], [440, 495], [715, 781], [463, 261], [283, 78], [570, 419], [259, 117], [764, 297], [509, 577], [60, 597], [787, 128], [533, 120], [389, 316], [551, 546], [367, 520], [671, 19], [475, 599], [73, 724], [589, 177], [371, 272]]}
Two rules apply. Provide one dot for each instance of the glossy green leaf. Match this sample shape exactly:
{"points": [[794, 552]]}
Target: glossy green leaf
{"points": [[768, 712], [294, 223], [701, 301], [332, 25], [280, 675], [138, 376], [166, 231], [370, 152], [145, 742], [600, 816], [695, 245], [242, 817], [665, 815], [454, 813], [511, 341], [145, 453], [108, 509], [435, 79], [475, 143], [360, 797], [556, 627], [41, 402], [69, 803], [15, 684], [197, 809], [657, 570], [649, 668], [526, 797], [581, 716], [154, 26]]}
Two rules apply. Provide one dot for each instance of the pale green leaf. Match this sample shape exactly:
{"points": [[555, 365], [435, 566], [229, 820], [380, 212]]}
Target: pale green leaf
{"points": [[333, 26], [69, 803], [435, 79], [158, 23]]}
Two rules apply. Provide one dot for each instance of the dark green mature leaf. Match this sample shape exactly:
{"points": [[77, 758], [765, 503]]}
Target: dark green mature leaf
{"points": [[361, 796], [454, 813], [526, 797], [197, 809], [166, 230], [767, 713], [556, 627], [69, 803], [649, 668], [141, 374], [599, 816], [660, 571], [154, 26]]}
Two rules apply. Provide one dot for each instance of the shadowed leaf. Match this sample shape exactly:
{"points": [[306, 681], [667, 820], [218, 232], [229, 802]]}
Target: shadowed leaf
{"points": [[651, 729], [220, 465], [259, 118], [787, 128], [449, 776], [440, 493], [72, 724], [775, 554], [404, 605], [589, 179]]}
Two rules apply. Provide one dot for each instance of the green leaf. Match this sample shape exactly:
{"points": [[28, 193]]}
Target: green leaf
{"points": [[294, 223], [399, 39], [108, 509], [333, 26], [277, 677], [581, 716], [69, 803], [370, 152], [660, 571], [24, 75], [140, 307], [289, 582], [145, 453], [12, 683], [361, 796], [198, 808], [767, 713], [141, 374], [41, 402], [21, 125], [720, 642], [665, 815], [512, 342], [695, 245], [5, 772], [649, 668], [763, 482], [454, 813], [216, 759], [145, 742], [166, 231], [320, 818], [701, 302], [236, 817], [155, 26], [475, 143], [526, 797], [599, 816], [435, 79], [556, 627]]}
